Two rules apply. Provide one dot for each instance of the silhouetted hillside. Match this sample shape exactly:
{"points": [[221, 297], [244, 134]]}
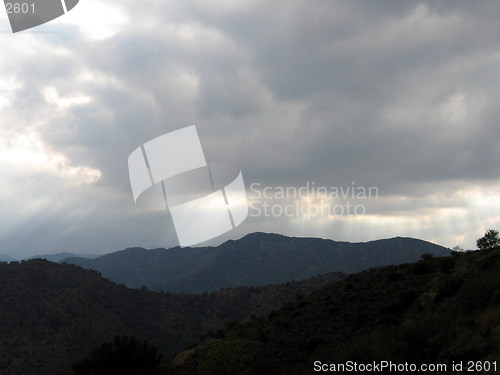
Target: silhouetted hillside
{"points": [[256, 259], [435, 311], [53, 314]]}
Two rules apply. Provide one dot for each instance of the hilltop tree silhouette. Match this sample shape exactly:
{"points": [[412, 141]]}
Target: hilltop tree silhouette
{"points": [[490, 240]]}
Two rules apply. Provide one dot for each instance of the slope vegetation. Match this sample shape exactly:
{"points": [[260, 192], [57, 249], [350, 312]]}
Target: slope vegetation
{"points": [[52, 314], [439, 310]]}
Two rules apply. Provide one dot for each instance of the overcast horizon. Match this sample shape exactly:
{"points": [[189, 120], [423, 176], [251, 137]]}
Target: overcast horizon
{"points": [[398, 96]]}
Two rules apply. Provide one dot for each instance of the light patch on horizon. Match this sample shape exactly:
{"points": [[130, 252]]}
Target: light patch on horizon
{"points": [[432, 227], [439, 218]]}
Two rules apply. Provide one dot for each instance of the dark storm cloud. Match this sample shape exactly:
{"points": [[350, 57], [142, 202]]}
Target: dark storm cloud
{"points": [[340, 67], [350, 80]]}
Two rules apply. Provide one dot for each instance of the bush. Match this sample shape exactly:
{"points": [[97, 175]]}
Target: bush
{"points": [[123, 355], [394, 276], [226, 358], [488, 320], [421, 268], [426, 256], [448, 289], [447, 265]]}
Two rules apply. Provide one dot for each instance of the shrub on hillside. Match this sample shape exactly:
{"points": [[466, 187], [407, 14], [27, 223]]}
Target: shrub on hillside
{"points": [[123, 355]]}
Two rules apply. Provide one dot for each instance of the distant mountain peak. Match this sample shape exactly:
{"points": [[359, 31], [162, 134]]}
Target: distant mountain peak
{"points": [[263, 236], [134, 250]]}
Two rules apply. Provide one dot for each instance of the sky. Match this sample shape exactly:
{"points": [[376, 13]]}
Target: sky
{"points": [[399, 97]]}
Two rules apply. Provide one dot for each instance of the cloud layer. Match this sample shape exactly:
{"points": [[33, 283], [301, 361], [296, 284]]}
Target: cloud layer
{"points": [[402, 96]]}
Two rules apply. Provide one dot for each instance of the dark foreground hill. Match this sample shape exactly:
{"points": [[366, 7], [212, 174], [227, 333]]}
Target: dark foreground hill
{"points": [[256, 259], [53, 314], [437, 311]]}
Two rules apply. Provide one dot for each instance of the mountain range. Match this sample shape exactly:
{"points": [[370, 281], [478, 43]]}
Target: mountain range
{"points": [[435, 310], [254, 260], [57, 257]]}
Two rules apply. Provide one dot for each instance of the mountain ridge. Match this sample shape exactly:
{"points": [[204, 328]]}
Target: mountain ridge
{"points": [[253, 260]]}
